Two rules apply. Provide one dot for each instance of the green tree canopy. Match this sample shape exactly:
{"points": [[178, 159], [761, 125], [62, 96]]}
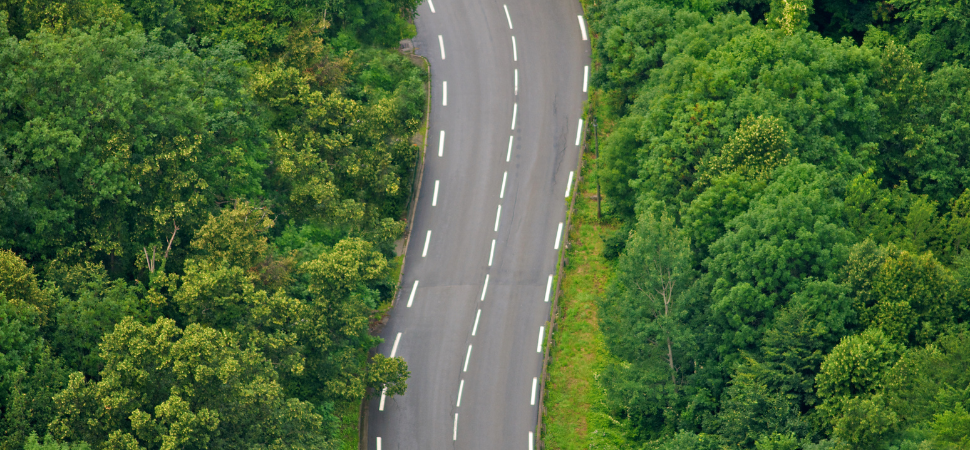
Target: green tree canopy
{"points": [[167, 387], [792, 232], [643, 323], [112, 138]]}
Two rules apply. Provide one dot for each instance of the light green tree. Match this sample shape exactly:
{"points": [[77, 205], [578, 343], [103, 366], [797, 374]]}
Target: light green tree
{"points": [[164, 387], [850, 385], [758, 147]]}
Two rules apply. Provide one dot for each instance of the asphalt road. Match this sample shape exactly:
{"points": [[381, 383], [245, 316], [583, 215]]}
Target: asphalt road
{"points": [[507, 94]]}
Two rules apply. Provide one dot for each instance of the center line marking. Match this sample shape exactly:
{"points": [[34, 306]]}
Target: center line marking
{"points": [[542, 330], [585, 77], [508, 156], [507, 16], [497, 216], [444, 93], [434, 199], [515, 111], [454, 434], [477, 316], [548, 288], [441, 43], [397, 340], [504, 176], [484, 287], [517, 82], [467, 357], [431, 4], [515, 52], [379, 439], [558, 236], [579, 131], [441, 144], [582, 27], [569, 185], [413, 290], [461, 386], [427, 239], [534, 382], [492, 253]]}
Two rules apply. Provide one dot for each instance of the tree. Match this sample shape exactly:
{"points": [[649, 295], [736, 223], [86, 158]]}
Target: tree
{"points": [[789, 15], [849, 385], [864, 422], [751, 410], [642, 316], [317, 339], [351, 264], [165, 387], [791, 233], [758, 147], [335, 160], [19, 283], [873, 212], [801, 335], [335, 330], [132, 128], [952, 428], [237, 236], [903, 123], [773, 390], [153, 136], [20, 340], [88, 308], [958, 225], [633, 40], [911, 297], [617, 167], [943, 169], [707, 216], [937, 30], [692, 441], [856, 366], [927, 381], [29, 406], [50, 444], [59, 16]]}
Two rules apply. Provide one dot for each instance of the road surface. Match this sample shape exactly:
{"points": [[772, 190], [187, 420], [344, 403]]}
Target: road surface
{"points": [[508, 84]]}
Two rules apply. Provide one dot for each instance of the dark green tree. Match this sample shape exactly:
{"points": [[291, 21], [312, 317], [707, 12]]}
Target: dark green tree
{"points": [[29, 403], [642, 318], [791, 233], [911, 297], [116, 140], [937, 30]]}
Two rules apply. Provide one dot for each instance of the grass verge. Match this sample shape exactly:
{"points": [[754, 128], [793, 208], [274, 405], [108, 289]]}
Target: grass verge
{"points": [[576, 417], [349, 414]]}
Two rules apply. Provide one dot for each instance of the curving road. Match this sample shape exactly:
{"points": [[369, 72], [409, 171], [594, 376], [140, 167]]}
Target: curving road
{"points": [[508, 83]]}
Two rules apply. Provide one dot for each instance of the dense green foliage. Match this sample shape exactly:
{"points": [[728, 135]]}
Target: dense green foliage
{"points": [[793, 176], [198, 208]]}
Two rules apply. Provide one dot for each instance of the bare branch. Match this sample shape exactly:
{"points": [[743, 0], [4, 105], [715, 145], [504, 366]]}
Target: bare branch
{"points": [[167, 249]]}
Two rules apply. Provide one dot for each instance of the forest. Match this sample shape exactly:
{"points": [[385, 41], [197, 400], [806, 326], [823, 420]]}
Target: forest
{"points": [[198, 207], [792, 268]]}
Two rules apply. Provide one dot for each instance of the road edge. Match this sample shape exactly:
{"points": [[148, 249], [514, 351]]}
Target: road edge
{"points": [[560, 270], [413, 206]]}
